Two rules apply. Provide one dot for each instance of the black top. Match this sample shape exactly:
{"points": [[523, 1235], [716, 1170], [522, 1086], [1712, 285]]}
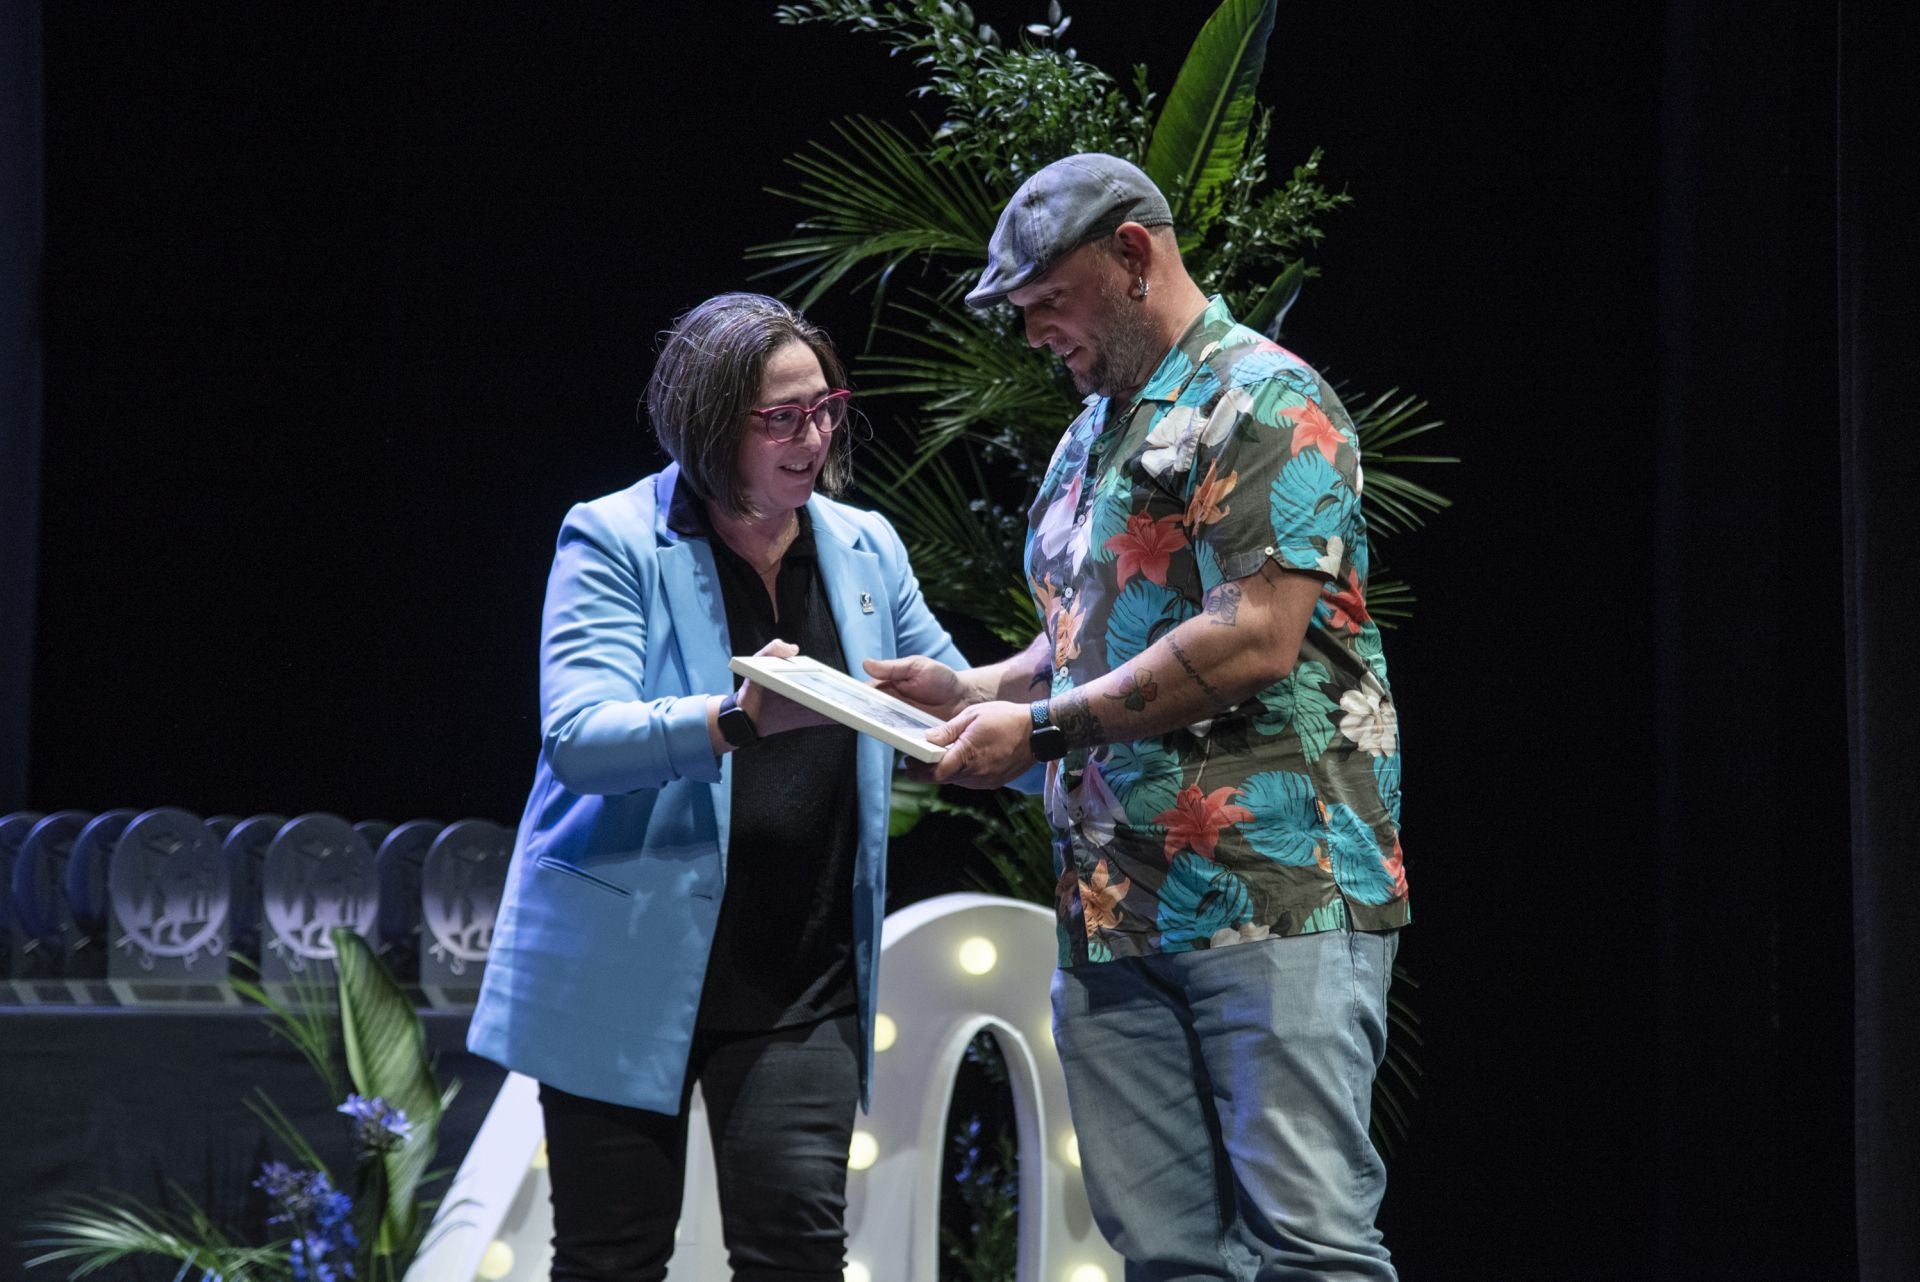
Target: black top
{"points": [[783, 949]]}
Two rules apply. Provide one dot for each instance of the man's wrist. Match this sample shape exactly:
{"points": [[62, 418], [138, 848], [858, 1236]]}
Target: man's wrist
{"points": [[1046, 740]]}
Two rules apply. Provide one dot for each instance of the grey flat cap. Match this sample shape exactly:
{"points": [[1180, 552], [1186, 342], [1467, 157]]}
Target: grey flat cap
{"points": [[1068, 203]]}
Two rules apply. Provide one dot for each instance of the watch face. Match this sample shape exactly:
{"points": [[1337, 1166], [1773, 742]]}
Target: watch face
{"points": [[1049, 743], [736, 727]]}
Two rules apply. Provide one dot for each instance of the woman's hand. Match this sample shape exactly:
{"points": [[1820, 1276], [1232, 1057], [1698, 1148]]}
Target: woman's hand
{"points": [[770, 713]]}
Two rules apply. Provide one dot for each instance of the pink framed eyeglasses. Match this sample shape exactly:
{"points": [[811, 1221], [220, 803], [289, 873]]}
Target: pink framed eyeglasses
{"points": [[784, 422]]}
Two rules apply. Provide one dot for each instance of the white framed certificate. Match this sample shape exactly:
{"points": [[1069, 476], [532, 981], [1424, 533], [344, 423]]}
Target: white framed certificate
{"points": [[832, 693]]}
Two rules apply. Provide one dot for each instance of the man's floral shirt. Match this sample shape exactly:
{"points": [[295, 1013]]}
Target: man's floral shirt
{"points": [[1279, 816]]}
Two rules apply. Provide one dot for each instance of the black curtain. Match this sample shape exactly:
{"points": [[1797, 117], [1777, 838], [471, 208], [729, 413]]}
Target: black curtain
{"points": [[1879, 281], [20, 239], [1753, 1156]]}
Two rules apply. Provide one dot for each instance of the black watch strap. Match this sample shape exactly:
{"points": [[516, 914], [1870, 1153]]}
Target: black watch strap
{"points": [[736, 727], [1047, 741]]}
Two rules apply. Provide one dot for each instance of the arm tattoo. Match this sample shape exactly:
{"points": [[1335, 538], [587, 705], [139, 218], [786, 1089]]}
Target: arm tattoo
{"points": [[1071, 713], [1223, 604], [1194, 672], [1137, 688], [1042, 677]]}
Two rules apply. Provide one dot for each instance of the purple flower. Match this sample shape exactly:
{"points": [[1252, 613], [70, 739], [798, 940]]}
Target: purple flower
{"points": [[377, 1127], [322, 1219]]}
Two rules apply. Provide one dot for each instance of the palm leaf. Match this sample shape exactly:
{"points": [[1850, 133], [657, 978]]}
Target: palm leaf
{"points": [[955, 539], [1384, 424], [967, 375], [881, 200], [387, 1059], [308, 1023], [1389, 600], [93, 1234], [1201, 135]]}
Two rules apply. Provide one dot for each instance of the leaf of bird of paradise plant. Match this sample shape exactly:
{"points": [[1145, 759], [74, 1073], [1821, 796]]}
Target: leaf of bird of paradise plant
{"points": [[1201, 134], [387, 1059], [882, 198], [1268, 310]]}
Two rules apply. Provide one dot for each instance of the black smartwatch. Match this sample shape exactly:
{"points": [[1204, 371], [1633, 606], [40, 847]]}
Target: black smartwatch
{"points": [[1046, 741], [736, 727]]}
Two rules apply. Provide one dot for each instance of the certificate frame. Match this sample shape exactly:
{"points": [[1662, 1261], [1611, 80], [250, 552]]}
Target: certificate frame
{"points": [[832, 693]]}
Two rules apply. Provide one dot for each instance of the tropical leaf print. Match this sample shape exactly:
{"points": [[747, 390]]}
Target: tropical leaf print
{"points": [[1310, 505], [1386, 777], [1296, 702], [1196, 900], [1139, 615], [1145, 778], [1358, 867], [1285, 823], [1261, 365], [1207, 562], [1111, 502]]}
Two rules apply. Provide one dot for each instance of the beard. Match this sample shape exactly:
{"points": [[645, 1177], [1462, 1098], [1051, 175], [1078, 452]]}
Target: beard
{"points": [[1128, 348]]}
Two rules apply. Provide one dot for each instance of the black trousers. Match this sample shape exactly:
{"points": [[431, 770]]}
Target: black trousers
{"points": [[780, 1109]]}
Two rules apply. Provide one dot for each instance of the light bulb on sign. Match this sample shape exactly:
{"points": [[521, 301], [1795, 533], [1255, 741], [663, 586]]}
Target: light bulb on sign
{"points": [[978, 955], [863, 1152], [1088, 1273], [884, 1033], [496, 1263], [857, 1272], [540, 1157], [1070, 1150]]}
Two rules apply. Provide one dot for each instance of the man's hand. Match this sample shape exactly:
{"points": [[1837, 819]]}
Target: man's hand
{"points": [[986, 745], [925, 683]]}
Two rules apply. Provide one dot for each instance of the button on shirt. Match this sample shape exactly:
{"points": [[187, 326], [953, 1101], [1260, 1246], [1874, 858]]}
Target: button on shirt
{"points": [[783, 949], [1281, 815]]}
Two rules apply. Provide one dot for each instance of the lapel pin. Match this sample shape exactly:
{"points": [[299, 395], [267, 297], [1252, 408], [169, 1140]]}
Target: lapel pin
{"points": [[866, 603]]}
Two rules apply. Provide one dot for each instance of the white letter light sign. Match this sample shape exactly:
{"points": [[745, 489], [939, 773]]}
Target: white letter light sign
{"points": [[953, 967]]}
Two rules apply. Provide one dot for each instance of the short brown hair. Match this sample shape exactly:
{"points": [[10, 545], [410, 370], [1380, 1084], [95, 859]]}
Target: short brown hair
{"points": [[708, 375]]}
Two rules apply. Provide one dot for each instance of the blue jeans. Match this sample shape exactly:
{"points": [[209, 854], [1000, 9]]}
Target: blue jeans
{"points": [[1221, 1100]]}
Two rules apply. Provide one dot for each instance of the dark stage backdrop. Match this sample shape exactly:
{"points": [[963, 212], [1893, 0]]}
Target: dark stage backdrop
{"points": [[344, 312]]}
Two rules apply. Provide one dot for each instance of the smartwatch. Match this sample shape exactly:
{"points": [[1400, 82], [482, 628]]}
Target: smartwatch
{"points": [[1046, 741], [736, 727]]}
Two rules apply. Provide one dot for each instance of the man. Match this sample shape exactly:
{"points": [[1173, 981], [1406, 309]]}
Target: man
{"points": [[1223, 776]]}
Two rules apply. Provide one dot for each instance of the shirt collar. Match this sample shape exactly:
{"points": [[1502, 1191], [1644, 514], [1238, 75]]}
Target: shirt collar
{"points": [[1188, 352]]}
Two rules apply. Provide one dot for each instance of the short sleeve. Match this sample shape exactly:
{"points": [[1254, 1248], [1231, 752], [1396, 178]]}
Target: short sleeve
{"points": [[1277, 474]]}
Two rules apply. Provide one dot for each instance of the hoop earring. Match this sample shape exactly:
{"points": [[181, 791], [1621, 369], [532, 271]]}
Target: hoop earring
{"points": [[1140, 287]]}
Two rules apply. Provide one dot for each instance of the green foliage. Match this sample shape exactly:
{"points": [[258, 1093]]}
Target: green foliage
{"points": [[1009, 109], [92, 1234], [362, 1030], [1200, 141], [901, 214], [387, 1058]]}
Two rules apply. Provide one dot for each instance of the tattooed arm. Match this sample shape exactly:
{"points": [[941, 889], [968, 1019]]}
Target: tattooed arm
{"points": [[1247, 637]]}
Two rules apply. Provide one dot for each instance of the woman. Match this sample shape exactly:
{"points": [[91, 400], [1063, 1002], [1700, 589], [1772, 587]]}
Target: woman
{"points": [[698, 884]]}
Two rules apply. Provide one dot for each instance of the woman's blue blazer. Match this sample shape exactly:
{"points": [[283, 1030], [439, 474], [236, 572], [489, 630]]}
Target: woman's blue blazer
{"points": [[594, 975]]}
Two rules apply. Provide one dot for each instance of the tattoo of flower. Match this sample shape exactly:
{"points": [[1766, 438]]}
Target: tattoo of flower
{"points": [[1223, 604], [1137, 690], [1194, 672]]}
